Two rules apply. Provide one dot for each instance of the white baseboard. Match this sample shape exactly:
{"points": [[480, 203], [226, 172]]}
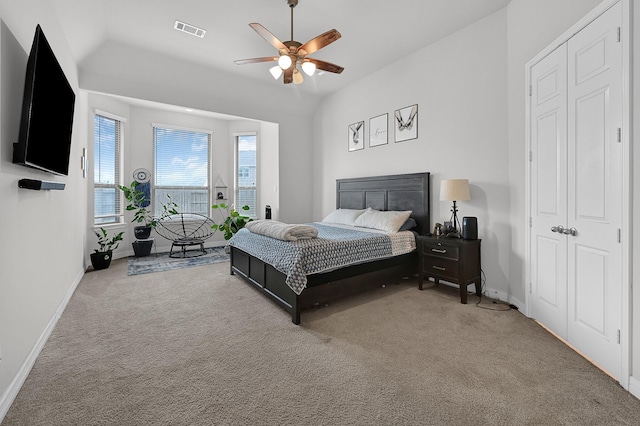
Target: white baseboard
{"points": [[501, 295], [492, 293], [10, 394], [634, 387]]}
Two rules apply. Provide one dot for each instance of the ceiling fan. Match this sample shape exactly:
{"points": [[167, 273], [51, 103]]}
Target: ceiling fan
{"points": [[292, 53]]}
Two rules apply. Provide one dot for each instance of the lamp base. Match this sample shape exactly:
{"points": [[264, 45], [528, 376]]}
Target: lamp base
{"points": [[454, 218]]}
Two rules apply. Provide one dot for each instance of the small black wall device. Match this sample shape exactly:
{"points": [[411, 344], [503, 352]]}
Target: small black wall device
{"points": [[39, 185], [267, 212], [470, 228]]}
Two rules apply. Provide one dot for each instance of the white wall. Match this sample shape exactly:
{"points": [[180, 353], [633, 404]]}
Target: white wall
{"points": [[155, 77], [43, 232], [269, 163], [460, 86], [635, 150]]}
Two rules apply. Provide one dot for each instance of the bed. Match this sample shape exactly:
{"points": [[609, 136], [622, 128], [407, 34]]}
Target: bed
{"points": [[387, 193]]}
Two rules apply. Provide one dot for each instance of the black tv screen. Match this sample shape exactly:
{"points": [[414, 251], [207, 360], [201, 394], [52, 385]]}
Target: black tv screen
{"points": [[46, 122]]}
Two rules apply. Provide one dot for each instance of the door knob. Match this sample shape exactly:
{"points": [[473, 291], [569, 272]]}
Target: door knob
{"points": [[571, 231], [559, 229]]}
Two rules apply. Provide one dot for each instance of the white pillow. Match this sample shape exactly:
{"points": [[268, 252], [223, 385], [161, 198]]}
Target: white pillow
{"points": [[389, 221], [343, 216]]}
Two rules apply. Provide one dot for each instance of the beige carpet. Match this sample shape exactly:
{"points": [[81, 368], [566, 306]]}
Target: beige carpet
{"points": [[199, 347]]}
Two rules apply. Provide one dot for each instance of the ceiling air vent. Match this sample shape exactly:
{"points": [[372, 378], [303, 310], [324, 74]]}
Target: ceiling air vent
{"points": [[189, 29]]}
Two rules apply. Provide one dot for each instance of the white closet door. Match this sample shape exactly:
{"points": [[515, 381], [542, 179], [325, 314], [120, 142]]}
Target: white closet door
{"points": [[576, 191], [595, 190], [549, 191]]}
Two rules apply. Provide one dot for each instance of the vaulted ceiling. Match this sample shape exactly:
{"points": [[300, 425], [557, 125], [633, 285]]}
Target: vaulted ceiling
{"points": [[375, 33]]}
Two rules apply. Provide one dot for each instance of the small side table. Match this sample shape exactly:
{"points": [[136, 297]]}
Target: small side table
{"points": [[450, 259]]}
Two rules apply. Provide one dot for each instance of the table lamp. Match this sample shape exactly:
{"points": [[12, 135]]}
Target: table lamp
{"points": [[454, 190]]}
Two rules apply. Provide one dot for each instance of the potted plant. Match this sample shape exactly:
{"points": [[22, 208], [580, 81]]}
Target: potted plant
{"points": [[101, 257], [137, 202], [231, 220]]}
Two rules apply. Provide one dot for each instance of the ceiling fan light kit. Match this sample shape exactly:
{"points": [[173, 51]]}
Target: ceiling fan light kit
{"points": [[276, 72], [285, 61], [292, 53], [309, 68]]}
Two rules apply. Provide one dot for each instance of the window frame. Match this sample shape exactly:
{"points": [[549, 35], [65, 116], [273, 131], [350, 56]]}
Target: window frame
{"points": [[119, 169], [154, 188], [236, 173]]}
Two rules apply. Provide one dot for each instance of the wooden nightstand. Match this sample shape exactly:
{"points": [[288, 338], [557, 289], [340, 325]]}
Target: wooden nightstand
{"points": [[450, 259]]}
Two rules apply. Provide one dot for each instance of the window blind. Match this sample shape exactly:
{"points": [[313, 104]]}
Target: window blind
{"points": [[106, 169], [246, 174], [181, 169]]}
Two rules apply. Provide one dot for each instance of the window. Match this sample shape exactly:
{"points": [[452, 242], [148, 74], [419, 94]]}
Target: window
{"points": [[107, 141], [246, 172], [181, 165]]}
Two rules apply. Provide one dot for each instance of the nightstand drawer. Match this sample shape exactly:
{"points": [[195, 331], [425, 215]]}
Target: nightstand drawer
{"points": [[440, 250], [450, 259], [443, 268]]}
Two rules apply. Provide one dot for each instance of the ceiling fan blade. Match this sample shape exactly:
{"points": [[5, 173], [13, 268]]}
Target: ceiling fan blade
{"points": [[288, 75], [326, 66], [265, 34], [319, 42], [256, 60]]}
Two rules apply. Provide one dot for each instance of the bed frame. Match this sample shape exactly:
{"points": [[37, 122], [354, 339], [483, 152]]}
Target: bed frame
{"points": [[393, 192]]}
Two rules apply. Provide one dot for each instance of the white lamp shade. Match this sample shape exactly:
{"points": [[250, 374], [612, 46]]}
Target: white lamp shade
{"points": [[297, 76], [454, 190], [309, 68], [276, 71], [284, 61]]}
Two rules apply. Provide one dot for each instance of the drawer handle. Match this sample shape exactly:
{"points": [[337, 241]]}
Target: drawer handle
{"points": [[439, 268], [438, 251]]}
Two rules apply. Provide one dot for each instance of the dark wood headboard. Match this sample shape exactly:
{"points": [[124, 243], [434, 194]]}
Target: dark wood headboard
{"points": [[392, 192]]}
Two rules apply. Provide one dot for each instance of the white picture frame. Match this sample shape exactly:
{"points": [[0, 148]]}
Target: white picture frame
{"points": [[379, 130]]}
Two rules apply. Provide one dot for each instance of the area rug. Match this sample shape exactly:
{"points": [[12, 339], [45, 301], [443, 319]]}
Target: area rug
{"points": [[162, 262]]}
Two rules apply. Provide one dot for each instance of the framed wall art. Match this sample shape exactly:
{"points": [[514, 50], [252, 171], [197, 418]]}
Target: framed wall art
{"points": [[378, 132], [406, 123], [356, 136]]}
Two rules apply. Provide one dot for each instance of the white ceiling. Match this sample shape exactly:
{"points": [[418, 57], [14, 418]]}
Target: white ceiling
{"points": [[375, 33]]}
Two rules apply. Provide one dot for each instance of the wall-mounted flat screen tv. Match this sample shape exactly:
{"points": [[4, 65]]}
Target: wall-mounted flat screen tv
{"points": [[46, 122]]}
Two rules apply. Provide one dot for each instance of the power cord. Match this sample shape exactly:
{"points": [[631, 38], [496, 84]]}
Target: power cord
{"points": [[509, 306]]}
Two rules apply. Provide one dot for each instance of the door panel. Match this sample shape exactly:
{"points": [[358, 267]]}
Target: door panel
{"points": [[549, 191], [591, 293], [547, 158], [591, 165], [595, 190], [549, 281]]}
